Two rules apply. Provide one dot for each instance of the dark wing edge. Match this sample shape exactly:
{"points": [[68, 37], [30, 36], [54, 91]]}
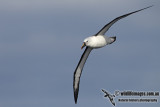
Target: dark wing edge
{"points": [[111, 100], [104, 91], [78, 71], [107, 26]]}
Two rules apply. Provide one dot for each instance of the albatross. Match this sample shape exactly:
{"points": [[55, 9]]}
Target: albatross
{"points": [[98, 40], [109, 96]]}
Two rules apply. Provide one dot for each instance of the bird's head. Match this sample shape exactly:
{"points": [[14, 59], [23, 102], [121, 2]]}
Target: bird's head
{"points": [[86, 42]]}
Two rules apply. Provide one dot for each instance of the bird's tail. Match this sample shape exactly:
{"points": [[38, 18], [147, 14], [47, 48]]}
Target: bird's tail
{"points": [[112, 39]]}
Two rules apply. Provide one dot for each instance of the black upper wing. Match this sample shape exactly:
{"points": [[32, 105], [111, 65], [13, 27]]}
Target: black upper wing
{"points": [[107, 26], [78, 71]]}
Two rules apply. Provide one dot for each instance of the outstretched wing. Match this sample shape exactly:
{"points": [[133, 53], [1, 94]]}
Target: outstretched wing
{"points": [[105, 92], [78, 71], [112, 101], [107, 26]]}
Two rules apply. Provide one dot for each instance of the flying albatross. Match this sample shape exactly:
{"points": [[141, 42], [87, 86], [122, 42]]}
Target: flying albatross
{"points": [[96, 41], [109, 96]]}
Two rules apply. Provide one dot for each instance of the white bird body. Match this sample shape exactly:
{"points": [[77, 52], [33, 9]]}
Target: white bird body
{"points": [[98, 41], [95, 41]]}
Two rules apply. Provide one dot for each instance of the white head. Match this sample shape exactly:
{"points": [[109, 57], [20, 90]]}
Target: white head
{"points": [[86, 42]]}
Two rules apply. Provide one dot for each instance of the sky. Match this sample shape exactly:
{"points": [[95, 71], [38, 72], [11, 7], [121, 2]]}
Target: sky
{"points": [[40, 44]]}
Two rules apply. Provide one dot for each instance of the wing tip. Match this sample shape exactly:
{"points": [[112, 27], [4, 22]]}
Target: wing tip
{"points": [[150, 6], [75, 96], [76, 90], [145, 8]]}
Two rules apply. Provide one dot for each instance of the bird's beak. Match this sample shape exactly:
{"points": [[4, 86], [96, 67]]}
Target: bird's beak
{"points": [[83, 45]]}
